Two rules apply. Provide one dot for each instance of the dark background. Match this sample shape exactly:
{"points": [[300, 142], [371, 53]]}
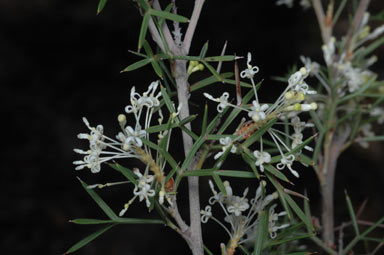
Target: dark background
{"points": [[60, 62]]}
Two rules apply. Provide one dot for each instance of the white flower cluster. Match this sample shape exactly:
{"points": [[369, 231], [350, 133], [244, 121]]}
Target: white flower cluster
{"points": [[305, 4], [353, 77], [241, 214], [288, 105], [129, 143]]}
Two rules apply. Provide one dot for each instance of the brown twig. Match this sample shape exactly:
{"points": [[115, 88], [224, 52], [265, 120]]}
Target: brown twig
{"points": [[325, 27], [355, 26], [192, 25]]}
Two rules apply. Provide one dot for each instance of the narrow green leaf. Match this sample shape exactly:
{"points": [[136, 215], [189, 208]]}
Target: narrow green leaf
{"points": [[270, 168], [125, 171], [187, 120], [89, 239], [316, 120], [143, 4], [235, 173], [299, 212], [154, 63], [338, 12], [205, 119], [100, 202], [219, 184], [262, 229], [379, 16], [207, 250], [373, 46], [168, 15], [219, 58], [167, 100], [204, 50], [137, 65], [372, 138], [143, 29], [251, 162], [167, 9], [208, 81], [213, 70], [213, 124], [290, 239], [101, 6], [352, 214], [191, 154], [358, 238], [200, 172], [242, 84], [118, 221], [305, 160]]}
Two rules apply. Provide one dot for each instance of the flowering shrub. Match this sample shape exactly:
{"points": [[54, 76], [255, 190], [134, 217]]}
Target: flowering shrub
{"points": [[343, 101]]}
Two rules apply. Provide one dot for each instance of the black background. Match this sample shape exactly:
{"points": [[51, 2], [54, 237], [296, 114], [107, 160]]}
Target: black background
{"points": [[60, 62]]}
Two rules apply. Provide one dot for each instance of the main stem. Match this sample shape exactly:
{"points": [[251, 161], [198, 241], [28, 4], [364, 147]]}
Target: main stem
{"points": [[328, 170], [196, 240]]}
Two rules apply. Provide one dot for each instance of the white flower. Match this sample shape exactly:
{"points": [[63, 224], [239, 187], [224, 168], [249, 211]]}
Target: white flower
{"points": [[262, 157], [143, 188], [288, 3], [329, 51], [287, 161], [378, 31], [133, 136], [223, 100], [226, 142], [311, 66], [206, 214], [298, 77], [251, 70], [148, 99], [378, 111], [273, 218], [305, 4], [366, 131], [257, 112], [297, 139], [238, 205]]}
